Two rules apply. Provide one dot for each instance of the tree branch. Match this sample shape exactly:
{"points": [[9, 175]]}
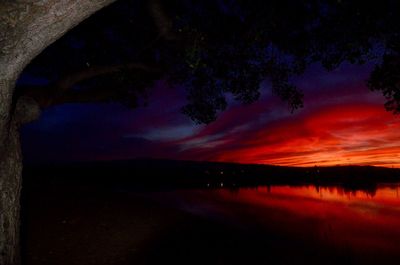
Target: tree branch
{"points": [[72, 79], [61, 91], [161, 19], [91, 95]]}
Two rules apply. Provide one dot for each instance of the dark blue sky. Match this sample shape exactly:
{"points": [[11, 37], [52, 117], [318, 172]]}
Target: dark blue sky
{"points": [[342, 123]]}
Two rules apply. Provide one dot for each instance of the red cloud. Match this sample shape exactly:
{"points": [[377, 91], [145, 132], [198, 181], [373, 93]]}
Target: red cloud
{"points": [[362, 134]]}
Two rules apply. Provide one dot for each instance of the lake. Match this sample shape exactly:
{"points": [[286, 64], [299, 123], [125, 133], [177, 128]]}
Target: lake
{"points": [[260, 225], [354, 225]]}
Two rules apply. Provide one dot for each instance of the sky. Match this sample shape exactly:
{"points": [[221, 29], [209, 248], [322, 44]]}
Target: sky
{"points": [[342, 123]]}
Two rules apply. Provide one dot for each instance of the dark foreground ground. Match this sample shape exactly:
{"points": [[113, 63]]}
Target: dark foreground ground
{"points": [[80, 226]]}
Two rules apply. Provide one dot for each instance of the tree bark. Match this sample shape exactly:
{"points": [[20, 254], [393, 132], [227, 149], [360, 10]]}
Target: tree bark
{"points": [[10, 175], [26, 28], [10, 189]]}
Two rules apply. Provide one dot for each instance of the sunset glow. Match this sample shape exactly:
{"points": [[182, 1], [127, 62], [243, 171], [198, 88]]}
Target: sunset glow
{"points": [[334, 135], [342, 123]]}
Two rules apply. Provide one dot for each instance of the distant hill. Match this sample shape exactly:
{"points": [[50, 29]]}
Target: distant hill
{"points": [[170, 174]]}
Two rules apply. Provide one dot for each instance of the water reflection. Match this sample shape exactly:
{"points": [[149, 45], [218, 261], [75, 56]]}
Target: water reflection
{"points": [[360, 219], [382, 193], [365, 223]]}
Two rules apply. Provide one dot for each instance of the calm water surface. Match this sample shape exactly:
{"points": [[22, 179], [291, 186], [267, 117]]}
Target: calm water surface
{"points": [[366, 223]]}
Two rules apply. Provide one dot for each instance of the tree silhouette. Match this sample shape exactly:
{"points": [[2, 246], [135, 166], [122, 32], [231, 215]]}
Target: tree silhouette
{"points": [[210, 47], [215, 48]]}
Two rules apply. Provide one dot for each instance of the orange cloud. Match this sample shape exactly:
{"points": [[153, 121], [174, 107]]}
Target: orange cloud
{"points": [[356, 134]]}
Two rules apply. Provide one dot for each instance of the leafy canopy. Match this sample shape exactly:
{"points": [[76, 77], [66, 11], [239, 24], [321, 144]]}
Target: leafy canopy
{"points": [[217, 47]]}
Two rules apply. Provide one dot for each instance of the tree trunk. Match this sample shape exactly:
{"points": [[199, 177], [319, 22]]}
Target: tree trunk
{"points": [[10, 188], [26, 28]]}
